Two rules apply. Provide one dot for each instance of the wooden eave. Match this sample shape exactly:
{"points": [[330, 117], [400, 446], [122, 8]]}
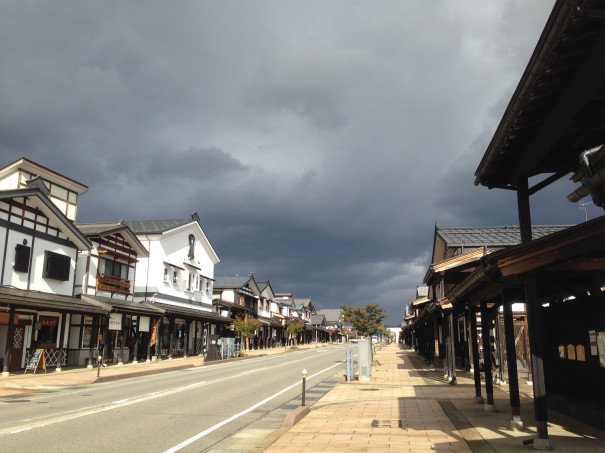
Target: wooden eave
{"points": [[114, 254], [550, 118], [420, 301], [460, 262]]}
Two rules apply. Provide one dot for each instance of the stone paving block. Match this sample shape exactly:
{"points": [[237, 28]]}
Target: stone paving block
{"points": [[399, 392]]}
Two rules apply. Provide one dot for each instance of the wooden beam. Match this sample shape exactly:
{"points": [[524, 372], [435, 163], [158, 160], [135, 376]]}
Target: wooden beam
{"points": [[579, 264], [587, 80]]}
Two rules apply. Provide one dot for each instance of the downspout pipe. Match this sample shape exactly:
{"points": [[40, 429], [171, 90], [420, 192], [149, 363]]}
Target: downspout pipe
{"points": [[595, 193]]}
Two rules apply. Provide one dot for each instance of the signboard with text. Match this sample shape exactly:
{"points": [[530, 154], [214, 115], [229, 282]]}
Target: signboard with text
{"points": [[115, 321]]}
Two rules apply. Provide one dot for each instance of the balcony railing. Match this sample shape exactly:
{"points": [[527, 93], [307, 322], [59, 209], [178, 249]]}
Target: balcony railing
{"points": [[113, 284]]}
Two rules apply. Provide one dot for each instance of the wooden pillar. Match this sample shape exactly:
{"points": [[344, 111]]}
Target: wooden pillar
{"points": [[444, 338], [435, 345], [9, 341], [500, 347], [534, 325], [468, 352], [121, 356], [186, 345], [536, 349], [152, 321], [195, 352], [61, 341], [511, 361], [452, 378], [93, 339], [475, 349], [33, 334], [105, 340], [135, 354], [487, 358], [170, 337]]}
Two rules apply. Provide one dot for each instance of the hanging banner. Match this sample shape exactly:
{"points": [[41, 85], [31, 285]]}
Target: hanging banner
{"points": [[115, 321], [144, 324], [154, 333]]}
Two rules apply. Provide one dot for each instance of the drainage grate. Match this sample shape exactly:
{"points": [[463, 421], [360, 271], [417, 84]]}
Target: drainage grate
{"points": [[369, 390], [16, 401], [387, 424]]}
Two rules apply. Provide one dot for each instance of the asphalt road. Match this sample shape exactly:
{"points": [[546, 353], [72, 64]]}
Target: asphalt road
{"points": [[191, 410]]}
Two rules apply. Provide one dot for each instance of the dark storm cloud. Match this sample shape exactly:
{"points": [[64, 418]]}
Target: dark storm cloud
{"points": [[319, 141]]}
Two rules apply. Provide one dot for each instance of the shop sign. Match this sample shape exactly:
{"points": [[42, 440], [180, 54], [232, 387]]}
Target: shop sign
{"points": [[144, 324], [115, 321], [593, 342], [48, 322], [601, 348], [4, 319]]}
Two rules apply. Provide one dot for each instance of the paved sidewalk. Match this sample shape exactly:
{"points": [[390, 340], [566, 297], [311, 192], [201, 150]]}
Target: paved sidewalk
{"points": [[408, 409], [26, 383]]}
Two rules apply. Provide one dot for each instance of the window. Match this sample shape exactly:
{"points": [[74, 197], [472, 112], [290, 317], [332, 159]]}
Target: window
{"points": [[56, 266], [174, 277], [165, 274], [191, 281], [87, 331], [113, 268], [22, 253]]}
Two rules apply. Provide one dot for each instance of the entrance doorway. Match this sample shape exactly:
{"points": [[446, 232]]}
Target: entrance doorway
{"points": [[18, 345]]}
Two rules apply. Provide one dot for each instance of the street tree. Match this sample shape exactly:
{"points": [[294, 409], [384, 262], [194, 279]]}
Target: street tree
{"points": [[245, 328], [294, 328], [366, 320]]}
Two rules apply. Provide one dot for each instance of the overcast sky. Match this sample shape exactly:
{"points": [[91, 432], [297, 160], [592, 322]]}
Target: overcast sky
{"points": [[319, 141]]}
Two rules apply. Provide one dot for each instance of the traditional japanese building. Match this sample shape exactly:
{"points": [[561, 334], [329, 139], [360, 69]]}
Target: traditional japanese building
{"points": [[553, 128], [178, 278], [39, 249]]}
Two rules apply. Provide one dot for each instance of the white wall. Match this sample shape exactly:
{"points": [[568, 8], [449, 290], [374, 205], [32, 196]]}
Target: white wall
{"points": [[173, 248], [10, 181], [38, 247]]}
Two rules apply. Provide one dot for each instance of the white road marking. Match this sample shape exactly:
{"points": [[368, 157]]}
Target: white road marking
{"points": [[70, 415], [239, 414]]}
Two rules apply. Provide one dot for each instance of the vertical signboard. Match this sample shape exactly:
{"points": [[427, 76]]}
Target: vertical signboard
{"points": [[115, 321]]}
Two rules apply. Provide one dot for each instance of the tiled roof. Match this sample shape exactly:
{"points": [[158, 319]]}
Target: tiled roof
{"points": [[305, 301], [317, 319], [156, 226], [231, 281], [497, 236], [90, 229], [332, 315]]}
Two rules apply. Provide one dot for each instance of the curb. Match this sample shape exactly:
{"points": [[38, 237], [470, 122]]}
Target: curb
{"points": [[296, 415]]}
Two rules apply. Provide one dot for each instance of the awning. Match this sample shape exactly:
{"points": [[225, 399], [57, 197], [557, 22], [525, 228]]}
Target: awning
{"points": [[265, 321], [125, 306], [191, 312], [37, 300]]}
